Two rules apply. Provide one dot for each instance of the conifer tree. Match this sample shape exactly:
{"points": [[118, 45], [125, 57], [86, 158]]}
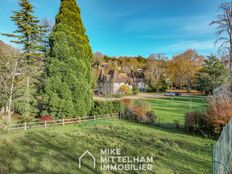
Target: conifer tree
{"points": [[67, 89], [28, 35]]}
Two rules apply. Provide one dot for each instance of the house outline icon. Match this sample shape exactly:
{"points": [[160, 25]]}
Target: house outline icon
{"points": [[89, 154]]}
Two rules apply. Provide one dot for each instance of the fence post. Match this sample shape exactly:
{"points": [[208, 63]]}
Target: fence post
{"points": [[94, 117], [25, 126], [63, 122], [79, 119], [45, 124]]}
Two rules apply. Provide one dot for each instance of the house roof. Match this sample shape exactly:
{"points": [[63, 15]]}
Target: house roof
{"points": [[137, 74], [113, 76]]}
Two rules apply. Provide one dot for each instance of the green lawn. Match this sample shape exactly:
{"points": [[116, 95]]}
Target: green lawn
{"points": [[170, 109], [56, 150]]}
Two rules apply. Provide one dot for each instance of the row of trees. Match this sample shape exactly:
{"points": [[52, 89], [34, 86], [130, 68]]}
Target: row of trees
{"points": [[51, 73], [187, 70]]}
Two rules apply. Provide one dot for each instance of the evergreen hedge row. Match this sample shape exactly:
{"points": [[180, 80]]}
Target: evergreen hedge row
{"points": [[106, 107]]}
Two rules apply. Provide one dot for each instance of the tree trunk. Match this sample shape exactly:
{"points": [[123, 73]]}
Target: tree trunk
{"points": [[11, 93], [28, 97]]}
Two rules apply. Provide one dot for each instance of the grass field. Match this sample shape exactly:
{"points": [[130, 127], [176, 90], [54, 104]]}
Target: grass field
{"points": [[57, 149], [170, 109]]}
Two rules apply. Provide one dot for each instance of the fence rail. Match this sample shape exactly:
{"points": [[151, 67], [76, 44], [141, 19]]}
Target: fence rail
{"points": [[44, 124]]}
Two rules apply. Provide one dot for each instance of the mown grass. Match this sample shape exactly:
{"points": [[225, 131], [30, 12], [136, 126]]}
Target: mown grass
{"points": [[174, 108], [57, 149]]}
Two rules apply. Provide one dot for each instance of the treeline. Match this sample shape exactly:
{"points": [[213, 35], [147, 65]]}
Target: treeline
{"points": [[187, 70]]}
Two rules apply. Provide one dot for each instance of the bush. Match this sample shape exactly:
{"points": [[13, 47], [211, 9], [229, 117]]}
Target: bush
{"points": [[220, 111], [196, 122], [138, 111], [106, 107], [135, 90], [125, 90], [117, 95], [46, 118]]}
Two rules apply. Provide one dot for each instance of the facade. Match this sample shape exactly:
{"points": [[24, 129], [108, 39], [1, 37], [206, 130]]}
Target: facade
{"points": [[109, 83], [139, 79]]}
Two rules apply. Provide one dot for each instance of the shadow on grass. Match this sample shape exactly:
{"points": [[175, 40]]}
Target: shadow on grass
{"points": [[43, 153], [57, 151]]}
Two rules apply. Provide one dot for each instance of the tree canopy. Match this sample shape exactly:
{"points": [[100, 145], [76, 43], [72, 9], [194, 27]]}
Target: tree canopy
{"points": [[212, 75], [68, 74]]}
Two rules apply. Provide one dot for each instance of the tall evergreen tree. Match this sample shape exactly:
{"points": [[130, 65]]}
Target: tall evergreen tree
{"points": [[28, 35], [67, 89]]}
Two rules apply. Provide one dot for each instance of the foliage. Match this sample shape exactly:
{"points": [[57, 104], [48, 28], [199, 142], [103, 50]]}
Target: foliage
{"points": [[139, 111], [68, 77], [117, 95], [182, 69], [124, 89], [196, 122], [9, 83], [155, 70], [106, 107], [47, 26], [212, 75], [135, 90], [220, 111], [28, 35], [98, 59], [212, 121], [46, 118]]}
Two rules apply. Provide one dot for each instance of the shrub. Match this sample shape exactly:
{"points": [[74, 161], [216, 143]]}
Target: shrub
{"points": [[196, 122], [124, 89], [117, 95], [220, 111], [135, 90], [214, 119], [106, 107], [46, 118], [138, 111]]}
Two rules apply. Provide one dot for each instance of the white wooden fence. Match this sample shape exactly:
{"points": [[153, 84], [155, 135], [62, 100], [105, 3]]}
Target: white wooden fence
{"points": [[44, 124]]}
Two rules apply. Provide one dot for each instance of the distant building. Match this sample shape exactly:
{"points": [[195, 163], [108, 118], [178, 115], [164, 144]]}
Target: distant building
{"points": [[109, 83], [139, 79]]}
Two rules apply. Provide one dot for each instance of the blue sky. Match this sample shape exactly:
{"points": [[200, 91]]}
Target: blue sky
{"points": [[135, 27]]}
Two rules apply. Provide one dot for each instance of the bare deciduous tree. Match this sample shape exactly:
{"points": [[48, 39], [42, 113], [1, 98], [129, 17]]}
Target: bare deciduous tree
{"points": [[223, 22], [9, 68]]}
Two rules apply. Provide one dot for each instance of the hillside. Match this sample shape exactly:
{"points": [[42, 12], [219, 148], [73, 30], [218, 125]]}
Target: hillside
{"points": [[57, 149]]}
